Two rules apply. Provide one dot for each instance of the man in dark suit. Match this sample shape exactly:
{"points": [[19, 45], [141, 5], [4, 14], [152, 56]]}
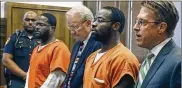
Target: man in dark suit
{"points": [[79, 23], [154, 28]]}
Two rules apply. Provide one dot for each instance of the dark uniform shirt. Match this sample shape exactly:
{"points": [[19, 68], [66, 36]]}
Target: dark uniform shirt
{"points": [[20, 46]]}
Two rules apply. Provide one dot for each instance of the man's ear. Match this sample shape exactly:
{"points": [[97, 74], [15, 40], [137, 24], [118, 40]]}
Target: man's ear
{"points": [[88, 23], [116, 26], [162, 28], [52, 28]]}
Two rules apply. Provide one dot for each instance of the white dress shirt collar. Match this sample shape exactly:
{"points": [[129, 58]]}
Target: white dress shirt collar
{"points": [[158, 47], [86, 40]]}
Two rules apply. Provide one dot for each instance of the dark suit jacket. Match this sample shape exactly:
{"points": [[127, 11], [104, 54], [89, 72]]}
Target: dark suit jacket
{"points": [[77, 78], [165, 71]]}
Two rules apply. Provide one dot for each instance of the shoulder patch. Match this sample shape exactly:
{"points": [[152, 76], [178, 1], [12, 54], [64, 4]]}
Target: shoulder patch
{"points": [[7, 41]]}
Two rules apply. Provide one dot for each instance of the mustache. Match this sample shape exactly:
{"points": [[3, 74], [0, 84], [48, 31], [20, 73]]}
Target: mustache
{"points": [[93, 30], [37, 32]]}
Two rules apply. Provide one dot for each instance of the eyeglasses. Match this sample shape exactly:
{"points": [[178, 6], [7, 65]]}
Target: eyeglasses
{"points": [[74, 28], [142, 22], [100, 20]]}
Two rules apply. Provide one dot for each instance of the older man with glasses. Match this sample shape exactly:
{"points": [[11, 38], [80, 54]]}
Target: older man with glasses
{"points": [[79, 23]]}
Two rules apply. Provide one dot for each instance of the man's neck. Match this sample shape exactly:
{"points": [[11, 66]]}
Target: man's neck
{"points": [[46, 41], [29, 33], [112, 42], [158, 41]]}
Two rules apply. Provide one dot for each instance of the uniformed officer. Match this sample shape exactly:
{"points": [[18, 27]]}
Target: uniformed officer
{"points": [[18, 49]]}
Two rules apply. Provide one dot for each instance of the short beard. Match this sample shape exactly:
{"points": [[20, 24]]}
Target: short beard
{"points": [[104, 37], [39, 35]]}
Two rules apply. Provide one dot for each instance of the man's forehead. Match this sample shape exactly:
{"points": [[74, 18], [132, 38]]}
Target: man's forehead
{"points": [[74, 20], [43, 18], [146, 13], [30, 15], [103, 13]]}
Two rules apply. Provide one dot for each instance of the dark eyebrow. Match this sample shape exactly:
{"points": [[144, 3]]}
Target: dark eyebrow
{"points": [[99, 17], [29, 19]]}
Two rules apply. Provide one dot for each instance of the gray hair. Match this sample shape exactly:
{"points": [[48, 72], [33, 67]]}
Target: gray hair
{"points": [[165, 12], [84, 12]]}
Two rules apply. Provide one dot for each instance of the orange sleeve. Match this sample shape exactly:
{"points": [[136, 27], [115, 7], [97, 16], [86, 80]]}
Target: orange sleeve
{"points": [[60, 58], [121, 67]]}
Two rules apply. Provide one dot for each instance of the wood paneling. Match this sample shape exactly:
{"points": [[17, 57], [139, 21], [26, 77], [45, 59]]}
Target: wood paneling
{"points": [[92, 5], [2, 42], [14, 13], [108, 3], [123, 6]]}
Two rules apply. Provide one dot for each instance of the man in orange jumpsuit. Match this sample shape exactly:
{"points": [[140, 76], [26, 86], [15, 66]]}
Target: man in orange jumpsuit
{"points": [[49, 61], [113, 66]]}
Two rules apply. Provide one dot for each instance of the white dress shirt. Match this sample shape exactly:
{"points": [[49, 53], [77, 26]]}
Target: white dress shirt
{"points": [[158, 48]]}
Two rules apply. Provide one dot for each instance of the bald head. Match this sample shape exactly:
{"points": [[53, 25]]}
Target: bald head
{"points": [[28, 19], [30, 14]]}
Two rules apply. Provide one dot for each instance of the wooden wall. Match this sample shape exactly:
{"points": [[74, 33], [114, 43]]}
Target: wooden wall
{"points": [[13, 20], [14, 13], [2, 42]]}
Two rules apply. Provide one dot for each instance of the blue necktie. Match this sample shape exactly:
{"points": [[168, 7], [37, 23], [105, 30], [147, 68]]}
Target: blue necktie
{"points": [[75, 63]]}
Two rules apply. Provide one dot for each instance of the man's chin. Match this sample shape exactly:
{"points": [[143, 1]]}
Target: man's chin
{"points": [[140, 44], [101, 39], [96, 37], [30, 31], [76, 38], [37, 35]]}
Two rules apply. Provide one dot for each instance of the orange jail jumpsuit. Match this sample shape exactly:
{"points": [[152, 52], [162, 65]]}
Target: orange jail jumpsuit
{"points": [[54, 55], [110, 68]]}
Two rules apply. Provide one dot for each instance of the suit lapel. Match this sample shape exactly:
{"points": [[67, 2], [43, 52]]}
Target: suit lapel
{"points": [[157, 62], [153, 69], [73, 56], [85, 53]]}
